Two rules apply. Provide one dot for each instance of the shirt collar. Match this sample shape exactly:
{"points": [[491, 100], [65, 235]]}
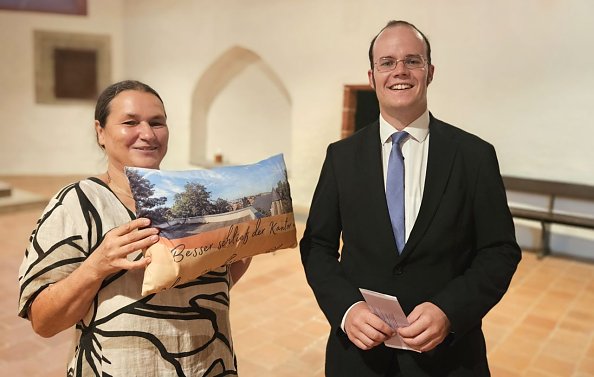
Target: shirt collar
{"points": [[418, 129]]}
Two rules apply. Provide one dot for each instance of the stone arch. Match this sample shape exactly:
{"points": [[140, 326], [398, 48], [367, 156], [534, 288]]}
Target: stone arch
{"points": [[217, 77]]}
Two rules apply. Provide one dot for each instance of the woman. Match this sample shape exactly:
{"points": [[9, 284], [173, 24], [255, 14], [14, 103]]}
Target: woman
{"points": [[84, 265]]}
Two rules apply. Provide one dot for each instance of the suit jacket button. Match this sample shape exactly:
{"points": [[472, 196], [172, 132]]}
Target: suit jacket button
{"points": [[398, 271]]}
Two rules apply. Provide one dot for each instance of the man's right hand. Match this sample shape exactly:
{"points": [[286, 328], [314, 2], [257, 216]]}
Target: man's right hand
{"points": [[365, 329]]}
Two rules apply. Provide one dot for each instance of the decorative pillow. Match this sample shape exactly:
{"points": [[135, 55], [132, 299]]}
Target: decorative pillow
{"points": [[212, 217]]}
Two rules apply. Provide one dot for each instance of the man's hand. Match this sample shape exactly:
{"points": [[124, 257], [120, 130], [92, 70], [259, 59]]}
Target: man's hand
{"points": [[365, 329], [428, 327]]}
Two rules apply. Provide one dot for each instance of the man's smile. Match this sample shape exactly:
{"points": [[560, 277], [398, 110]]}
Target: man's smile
{"points": [[400, 86]]}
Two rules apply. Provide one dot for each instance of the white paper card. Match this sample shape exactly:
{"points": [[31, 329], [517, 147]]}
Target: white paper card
{"points": [[389, 310]]}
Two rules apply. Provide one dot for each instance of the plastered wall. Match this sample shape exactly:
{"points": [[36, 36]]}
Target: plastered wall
{"points": [[41, 138], [518, 74]]}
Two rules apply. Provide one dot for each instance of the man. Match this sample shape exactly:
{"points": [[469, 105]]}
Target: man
{"points": [[448, 254]]}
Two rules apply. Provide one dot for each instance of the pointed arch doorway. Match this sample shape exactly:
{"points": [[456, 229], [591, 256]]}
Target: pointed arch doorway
{"points": [[241, 110]]}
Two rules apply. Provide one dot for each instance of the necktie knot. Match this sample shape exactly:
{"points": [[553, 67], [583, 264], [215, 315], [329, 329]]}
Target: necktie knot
{"points": [[398, 137]]}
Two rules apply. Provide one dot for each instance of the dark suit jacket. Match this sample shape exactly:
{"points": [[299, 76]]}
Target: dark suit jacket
{"points": [[461, 253]]}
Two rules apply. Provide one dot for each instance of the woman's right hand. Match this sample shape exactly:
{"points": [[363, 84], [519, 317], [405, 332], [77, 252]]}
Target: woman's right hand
{"points": [[111, 255], [64, 303]]}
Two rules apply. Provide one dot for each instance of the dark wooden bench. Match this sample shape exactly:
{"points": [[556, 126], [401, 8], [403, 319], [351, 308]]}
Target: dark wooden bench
{"points": [[549, 215]]}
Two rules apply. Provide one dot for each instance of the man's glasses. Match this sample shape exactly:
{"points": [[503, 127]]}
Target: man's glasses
{"points": [[410, 62]]}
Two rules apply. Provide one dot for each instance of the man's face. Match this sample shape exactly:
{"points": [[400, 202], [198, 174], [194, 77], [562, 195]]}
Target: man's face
{"points": [[402, 92]]}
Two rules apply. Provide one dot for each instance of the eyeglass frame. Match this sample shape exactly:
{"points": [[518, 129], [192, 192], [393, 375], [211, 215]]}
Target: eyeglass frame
{"points": [[396, 61]]}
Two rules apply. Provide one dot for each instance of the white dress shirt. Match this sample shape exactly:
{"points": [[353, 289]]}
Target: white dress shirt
{"points": [[415, 150]]}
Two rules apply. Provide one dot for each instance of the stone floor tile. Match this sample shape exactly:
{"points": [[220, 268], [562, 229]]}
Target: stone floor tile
{"points": [[543, 327]]}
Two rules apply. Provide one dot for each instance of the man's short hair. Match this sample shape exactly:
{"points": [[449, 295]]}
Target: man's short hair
{"points": [[396, 23]]}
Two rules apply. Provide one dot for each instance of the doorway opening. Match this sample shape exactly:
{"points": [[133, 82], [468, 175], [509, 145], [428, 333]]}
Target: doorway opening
{"points": [[360, 108]]}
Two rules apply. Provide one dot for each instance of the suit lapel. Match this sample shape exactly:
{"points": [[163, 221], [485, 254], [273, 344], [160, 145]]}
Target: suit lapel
{"points": [[442, 149]]}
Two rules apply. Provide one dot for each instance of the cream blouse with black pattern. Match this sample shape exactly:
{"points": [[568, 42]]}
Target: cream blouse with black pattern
{"points": [[183, 331]]}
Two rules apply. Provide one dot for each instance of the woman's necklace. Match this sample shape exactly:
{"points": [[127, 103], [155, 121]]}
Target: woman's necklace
{"points": [[116, 188]]}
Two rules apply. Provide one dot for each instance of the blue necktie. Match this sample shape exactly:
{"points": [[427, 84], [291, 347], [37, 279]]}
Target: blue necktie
{"points": [[395, 189]]}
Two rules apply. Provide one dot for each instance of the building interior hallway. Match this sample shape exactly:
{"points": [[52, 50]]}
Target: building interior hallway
{"points": [[543, 327]]}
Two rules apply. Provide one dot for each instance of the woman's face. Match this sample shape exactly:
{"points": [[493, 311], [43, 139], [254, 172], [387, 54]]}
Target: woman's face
{"points": [[135, 132]]}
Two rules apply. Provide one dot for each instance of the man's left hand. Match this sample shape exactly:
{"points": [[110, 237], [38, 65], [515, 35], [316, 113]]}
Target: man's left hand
{"points": [[428, 327]]}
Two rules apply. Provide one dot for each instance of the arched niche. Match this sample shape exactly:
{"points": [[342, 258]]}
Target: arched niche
{"points": [[241, 109]]}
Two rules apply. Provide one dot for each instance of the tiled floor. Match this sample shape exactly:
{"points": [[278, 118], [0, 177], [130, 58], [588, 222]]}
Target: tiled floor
{"points": [[543, 327]]}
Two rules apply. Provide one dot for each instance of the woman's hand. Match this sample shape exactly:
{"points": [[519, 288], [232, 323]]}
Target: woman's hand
{"points": [[111, 256], [63, 304], [237, 269]]}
